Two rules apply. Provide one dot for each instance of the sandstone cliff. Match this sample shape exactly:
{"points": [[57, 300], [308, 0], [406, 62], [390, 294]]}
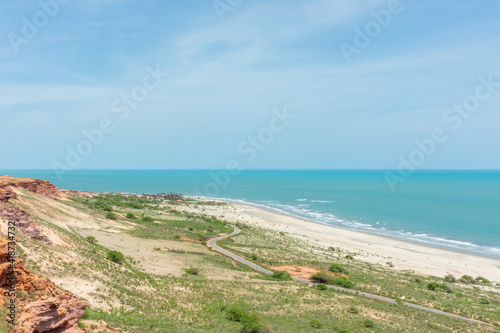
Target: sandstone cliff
{"points": [[41, 306], [17, 215], [33, 185]]}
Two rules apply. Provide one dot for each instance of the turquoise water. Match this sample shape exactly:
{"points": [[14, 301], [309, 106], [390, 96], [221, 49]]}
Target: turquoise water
{"points": [[459, 210]]}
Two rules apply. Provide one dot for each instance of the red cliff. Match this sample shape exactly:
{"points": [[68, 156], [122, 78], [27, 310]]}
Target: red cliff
{"points": [[40, 305]]}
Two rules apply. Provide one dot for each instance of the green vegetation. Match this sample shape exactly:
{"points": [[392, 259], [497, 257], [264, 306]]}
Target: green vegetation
{"points": [[131, 216], [322, 286], [482, 279], [439, 286], [111, 216], [336, 268], [450, 279], [225, 298], [192, 270], [467, 279], [116, 257], [340, 281], [91, 239], [369, 323], [316, 324], [250, 321]]}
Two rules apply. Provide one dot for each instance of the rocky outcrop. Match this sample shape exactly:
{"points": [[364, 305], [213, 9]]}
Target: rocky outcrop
{"points": [[33, 185], [22, 222], [17, 215], [41, 306], [6, 194]]}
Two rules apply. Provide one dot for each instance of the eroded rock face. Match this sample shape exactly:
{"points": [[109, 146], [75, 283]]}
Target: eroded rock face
{"points": [[18, 215], [33, 185], [47, 308], [22, 222]]}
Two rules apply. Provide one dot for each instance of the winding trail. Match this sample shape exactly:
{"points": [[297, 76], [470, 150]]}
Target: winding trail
{"points": [[212, 243]]}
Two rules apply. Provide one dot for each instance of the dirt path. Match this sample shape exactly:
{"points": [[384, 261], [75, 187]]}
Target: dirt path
{"points": [[213, 244]]}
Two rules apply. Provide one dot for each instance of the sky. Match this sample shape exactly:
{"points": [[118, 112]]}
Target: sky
{"points": [[285, 84]]}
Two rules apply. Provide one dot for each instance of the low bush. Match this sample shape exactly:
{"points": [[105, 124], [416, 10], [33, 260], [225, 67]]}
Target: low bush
{"points": [[316, 324], [254, 257], [369, 323], [342, 282], [352, 309], [111, 216], [147, 219], [116, 256], [336, 268], [131, 216], [434, 286], [235, 314], [482, 279], [192, 270], [281, 276], [91, 239], [450, 279], [250, 321], [320, 277], [467, 279], [322, 286]]}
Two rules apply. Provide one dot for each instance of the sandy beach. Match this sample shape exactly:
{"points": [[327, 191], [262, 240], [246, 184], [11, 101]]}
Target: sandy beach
{"points": [[404, 256]]}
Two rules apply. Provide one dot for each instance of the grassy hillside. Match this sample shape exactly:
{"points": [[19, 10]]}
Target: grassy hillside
{"points": [[144, 267]]}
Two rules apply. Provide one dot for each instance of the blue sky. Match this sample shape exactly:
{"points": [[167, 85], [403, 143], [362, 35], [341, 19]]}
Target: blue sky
{"points": [[227, 77]]}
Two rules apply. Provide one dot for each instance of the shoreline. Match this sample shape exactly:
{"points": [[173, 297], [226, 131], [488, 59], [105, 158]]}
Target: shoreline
{"points": [[282, 212], [404, 255]]}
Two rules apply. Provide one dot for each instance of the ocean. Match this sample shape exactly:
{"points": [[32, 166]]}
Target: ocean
{"points": [[458, 210]]}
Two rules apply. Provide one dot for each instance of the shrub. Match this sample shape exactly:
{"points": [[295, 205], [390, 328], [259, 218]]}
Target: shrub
{"points": [[322, 286], [147, 219], [235, 314], [203, 238], [450, 278], [439, 286], [131, 216], [116, 256], [177, 237], [484, 301], [254, 257], [433, 286], [342, 282], [352, 309], [316, 324], [250, 321], [192, 270], [467, 279], [111, 216], [320, 277], [368, 323], [482, 279], [336, 268], [91, 239], [252, 324], [349, 256], [417, 280], [281, 276], [108, 208]]}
